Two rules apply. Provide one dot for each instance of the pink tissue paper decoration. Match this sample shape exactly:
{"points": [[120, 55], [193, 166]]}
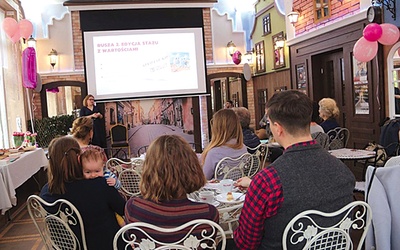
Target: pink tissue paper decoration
{"points": [[29, 79], [53, 90]]}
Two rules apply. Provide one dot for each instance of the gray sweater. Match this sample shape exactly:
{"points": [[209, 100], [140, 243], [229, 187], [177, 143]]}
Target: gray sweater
{"points": [[311, 179]]}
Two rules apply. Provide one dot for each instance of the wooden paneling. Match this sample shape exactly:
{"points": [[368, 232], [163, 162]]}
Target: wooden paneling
{"points": [[363, 128], [270, 82]]}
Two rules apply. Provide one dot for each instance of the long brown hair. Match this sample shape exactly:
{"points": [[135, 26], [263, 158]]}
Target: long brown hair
{"points": [[225, 126], [171, 170], [63, 163]]}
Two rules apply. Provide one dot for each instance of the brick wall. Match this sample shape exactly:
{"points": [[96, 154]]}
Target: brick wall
{"points": [[338, 11], [77, 40]]}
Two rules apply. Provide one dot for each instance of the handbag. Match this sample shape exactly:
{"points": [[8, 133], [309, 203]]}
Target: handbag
{"points": [[381, 155]]}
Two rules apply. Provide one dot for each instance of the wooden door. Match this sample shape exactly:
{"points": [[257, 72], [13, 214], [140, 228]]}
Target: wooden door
{"points": [[328, 80]]}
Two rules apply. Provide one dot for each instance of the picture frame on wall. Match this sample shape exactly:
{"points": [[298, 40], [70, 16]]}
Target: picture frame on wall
{"points": [[360, 87], [301, 78]]}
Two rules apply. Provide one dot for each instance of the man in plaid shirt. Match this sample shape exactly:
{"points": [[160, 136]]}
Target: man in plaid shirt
{"points": [[305, 177]]}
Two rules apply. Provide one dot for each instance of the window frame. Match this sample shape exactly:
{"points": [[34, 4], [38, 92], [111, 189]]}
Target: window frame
{"points": [[267, 24], [316, 9]]}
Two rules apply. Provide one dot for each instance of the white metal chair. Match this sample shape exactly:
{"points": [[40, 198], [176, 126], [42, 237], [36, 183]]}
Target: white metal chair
{"points": [[195, 234], [259, 159], [307, 231], [116, 165], [128, 173], [130, 180], [338, 138], [59, 223], [233, 168]]}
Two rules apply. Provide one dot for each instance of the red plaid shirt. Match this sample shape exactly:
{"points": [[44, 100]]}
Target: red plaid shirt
{"points": [[263, 199]]}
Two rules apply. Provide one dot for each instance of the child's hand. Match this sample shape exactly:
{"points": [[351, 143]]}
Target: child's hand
{"points": [[111, 181]]}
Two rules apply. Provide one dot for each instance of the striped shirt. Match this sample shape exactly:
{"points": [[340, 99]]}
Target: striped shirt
{"points": [[168, 214]]}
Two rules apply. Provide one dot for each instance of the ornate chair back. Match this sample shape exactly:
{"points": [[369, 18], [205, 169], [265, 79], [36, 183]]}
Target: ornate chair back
{"points": [[191, 235], [59, 223], [128, 173], [233, 168], [309, 229], [338, 138], [259, 159], [130, 180]]}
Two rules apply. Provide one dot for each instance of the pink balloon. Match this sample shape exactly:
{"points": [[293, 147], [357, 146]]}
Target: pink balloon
{"points": [[25, 28], [390, 34], [365, 50], [10, 26], [237, 57], [15, 38], [372, 32]]}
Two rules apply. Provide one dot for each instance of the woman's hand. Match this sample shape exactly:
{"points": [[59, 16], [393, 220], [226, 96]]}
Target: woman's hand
{"points": [[243, 183]]}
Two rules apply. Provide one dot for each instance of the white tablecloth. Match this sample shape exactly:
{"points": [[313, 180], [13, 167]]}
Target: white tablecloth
{"points": [[352, 154], [16, 173]]}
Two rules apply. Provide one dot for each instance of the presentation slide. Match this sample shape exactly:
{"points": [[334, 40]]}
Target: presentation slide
{"points": [[131, 64]]}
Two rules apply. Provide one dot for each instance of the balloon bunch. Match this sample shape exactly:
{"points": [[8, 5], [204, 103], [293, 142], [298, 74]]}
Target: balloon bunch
{"points": [[367, 46], [15, 30]]}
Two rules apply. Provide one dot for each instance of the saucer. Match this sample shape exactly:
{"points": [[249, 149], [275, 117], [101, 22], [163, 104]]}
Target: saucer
{"points": [[222, 198]]}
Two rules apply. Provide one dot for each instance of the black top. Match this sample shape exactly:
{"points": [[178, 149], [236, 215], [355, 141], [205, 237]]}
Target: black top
{"points": [[99, 132], [97, 203]]}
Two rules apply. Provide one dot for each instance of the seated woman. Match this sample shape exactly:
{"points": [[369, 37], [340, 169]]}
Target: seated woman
{"points": [[249, 138], [315, 120], [226, 140], [82, 131], [96, 201], [171, 170], [328, 111]]}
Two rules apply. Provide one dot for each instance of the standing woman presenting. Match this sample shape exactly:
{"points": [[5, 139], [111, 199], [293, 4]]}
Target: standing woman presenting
{"points": [[92, 111]]}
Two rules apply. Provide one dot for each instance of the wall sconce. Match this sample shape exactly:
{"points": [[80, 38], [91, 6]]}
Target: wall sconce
{"points": [[280, 44], [231, 47], [31, 42], [53, 55], [294, 16], [249, 57]]}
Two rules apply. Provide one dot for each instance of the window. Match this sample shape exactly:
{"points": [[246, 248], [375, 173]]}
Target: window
{"points": [[393, 62], [322, 10], [262, 98], [278, 41], [267, 24], [260, 58]]}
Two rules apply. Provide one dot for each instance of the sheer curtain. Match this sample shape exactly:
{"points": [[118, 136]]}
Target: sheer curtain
{"points": [[4, 141]]}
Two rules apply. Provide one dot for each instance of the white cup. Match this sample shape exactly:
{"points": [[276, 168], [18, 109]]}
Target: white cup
{"points": [[207, 196], [226, 185]]}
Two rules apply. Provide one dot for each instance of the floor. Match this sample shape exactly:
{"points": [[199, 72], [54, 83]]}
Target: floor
{"points": [[20, 233]]}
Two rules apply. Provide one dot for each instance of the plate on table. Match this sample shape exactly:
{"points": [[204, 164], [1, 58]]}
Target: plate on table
{"points": [[214, 203], [222, 198]]}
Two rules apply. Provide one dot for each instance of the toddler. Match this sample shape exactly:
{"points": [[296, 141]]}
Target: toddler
{"points": [[92, 161]]}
